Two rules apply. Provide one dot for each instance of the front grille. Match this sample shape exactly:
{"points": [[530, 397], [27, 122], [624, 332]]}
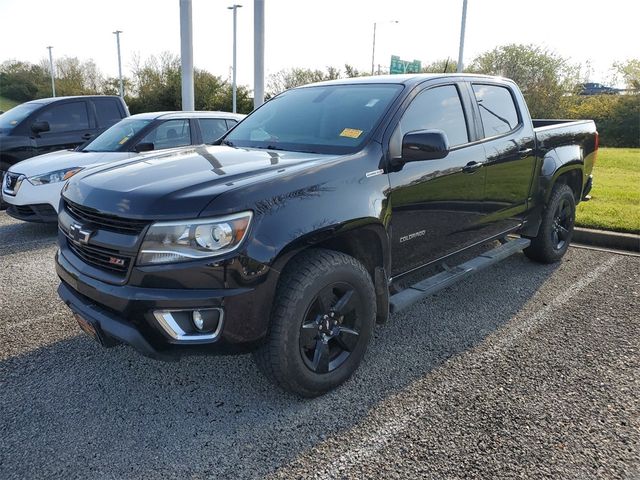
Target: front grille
{"points": [[104, 221], [100, 257]]}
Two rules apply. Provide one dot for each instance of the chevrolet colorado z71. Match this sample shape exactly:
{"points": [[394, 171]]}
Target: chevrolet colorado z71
{"points": [[292, 235]]}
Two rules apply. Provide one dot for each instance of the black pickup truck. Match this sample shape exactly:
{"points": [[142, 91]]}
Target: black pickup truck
{"points": [[296, 233]]}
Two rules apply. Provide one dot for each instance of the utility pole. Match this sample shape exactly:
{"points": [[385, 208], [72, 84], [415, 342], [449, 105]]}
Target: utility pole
{"points": [[53, 81], [462, 27], [235, 8], [373, 50], [258, 53], [117, 34], [186, 55], [373, 53]]}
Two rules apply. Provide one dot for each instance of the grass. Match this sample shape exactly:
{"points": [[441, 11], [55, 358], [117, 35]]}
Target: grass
{"points": [[6, 104], [615, 198]]}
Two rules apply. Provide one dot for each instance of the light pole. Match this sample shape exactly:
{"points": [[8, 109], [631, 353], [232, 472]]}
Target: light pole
{"points": [[258, 53], [462, 26], [117, 34], [235, 8], [53, 82], [186, 55], [373, 53]]}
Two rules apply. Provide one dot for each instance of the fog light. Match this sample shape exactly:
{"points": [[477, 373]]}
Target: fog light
{"points": [[198, 321]]}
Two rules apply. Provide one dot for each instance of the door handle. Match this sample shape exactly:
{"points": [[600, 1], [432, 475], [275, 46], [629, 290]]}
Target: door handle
{"points": [[525, 152], [87, 136], [471, 167]]}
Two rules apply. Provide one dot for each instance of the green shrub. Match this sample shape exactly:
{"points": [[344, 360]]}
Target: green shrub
{"points": [[617, 117]]}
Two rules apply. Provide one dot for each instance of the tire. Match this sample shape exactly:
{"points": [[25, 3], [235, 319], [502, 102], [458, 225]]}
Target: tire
{"points": [[308, 351], [556, 229]]}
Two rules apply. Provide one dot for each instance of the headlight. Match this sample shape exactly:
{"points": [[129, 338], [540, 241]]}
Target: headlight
{"points": [[167, 242], [54, 177]]}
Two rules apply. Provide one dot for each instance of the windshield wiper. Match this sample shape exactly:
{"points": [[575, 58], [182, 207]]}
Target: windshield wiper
{"points": [[228, 143]]}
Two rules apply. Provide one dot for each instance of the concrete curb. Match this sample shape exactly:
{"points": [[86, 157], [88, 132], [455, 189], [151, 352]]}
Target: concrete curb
{"points": [[607, 239]]}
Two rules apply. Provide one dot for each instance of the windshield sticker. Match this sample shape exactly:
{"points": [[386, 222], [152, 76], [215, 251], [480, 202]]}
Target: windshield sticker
{"points": [[13, 122], [351, 133], [124, 139], [372, 102]]}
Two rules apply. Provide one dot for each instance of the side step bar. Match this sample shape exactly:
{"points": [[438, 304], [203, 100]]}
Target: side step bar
{"points": [[418, 291]]}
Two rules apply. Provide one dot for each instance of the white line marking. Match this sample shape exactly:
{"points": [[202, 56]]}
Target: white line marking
{"points": [[385, 433]]}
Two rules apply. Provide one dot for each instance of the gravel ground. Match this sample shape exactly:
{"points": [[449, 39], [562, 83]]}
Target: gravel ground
{"points": [[521, 371]]}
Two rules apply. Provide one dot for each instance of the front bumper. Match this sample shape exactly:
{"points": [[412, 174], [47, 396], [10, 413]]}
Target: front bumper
{"points": [[125, 313], [34, 203]]}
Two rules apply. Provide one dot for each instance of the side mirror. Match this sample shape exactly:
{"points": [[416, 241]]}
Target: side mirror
{"points": [[424, 145], [144, 147], [39, 127]]}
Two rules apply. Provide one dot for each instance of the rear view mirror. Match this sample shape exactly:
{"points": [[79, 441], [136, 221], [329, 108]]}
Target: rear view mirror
{"points": [[144, 147], [424, 145], [39, 127]]}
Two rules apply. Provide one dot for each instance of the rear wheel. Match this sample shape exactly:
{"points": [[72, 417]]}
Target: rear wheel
{"points": [[556, 229], [321, 323]]}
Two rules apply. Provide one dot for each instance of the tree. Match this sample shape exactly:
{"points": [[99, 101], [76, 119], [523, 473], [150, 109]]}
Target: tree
{"points": [[543, 76], [630, 72], [445, 65], [295, 77], [23, 81]]}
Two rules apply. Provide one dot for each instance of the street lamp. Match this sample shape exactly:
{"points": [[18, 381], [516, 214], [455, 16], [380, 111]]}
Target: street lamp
{"points": [[235, 8], [373, 53], [117, 34], [462, 26], [53, 82]]}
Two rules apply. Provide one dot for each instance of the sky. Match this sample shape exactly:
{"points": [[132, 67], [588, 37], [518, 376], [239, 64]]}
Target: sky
{"points": [[316, 34]]}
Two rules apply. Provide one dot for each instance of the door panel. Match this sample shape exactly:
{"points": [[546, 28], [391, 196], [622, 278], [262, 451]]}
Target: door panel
{"points": [[510, 156], [437, 208], [436, 204]]}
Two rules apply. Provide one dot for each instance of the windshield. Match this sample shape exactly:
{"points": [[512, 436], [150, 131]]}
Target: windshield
{"points": [[324, 119], [112, 139], [13, 117]]}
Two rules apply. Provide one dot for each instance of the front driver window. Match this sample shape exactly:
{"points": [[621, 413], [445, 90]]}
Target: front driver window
{"points": [[437, 108], [169, 134]]}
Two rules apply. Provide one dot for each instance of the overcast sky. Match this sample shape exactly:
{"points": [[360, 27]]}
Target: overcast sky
{"points": [[315, 34]]}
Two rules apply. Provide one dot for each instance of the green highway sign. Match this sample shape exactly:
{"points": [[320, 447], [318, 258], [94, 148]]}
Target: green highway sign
{"points": [[404, 66]]}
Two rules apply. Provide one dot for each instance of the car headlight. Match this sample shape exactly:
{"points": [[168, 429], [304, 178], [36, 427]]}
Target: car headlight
{"points": [[54, 177], [167, 242]]}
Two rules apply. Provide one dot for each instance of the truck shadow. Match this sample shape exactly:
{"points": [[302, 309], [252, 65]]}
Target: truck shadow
{"points": [[71, 405]]}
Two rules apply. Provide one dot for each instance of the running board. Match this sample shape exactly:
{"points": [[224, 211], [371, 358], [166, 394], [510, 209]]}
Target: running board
{"points": [[418, 291]]}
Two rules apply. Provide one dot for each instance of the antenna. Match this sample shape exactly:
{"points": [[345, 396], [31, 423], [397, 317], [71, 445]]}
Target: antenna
{"points": [[446, 65]]}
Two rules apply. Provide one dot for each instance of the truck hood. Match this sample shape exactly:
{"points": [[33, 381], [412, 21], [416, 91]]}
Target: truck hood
{"points": [[53, 161], [179, 184]]}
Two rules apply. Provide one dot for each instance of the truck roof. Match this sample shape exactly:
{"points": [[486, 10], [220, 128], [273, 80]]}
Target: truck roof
{"points": [[44, 101], [406, 79]]}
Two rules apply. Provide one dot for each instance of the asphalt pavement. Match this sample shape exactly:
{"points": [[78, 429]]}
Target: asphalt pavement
{"points": [[523, 371]]}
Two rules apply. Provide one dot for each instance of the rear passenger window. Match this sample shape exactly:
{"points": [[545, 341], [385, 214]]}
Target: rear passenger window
{"points": [[437, 108], [497, 109], [66, 117], [107, 111], [212, 129]]}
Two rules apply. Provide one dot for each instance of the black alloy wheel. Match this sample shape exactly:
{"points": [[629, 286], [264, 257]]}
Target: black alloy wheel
{"points": [[330, 329]]}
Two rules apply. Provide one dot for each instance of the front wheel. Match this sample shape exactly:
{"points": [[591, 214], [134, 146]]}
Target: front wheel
{"points": [[556, 229], [321, 323]]}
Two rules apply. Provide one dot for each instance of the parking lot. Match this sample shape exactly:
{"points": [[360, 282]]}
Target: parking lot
{"points": [[522, 370]]}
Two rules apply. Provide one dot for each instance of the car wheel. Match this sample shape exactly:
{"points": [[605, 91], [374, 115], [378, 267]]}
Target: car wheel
{"points": [[321, 323], [556, 229]]}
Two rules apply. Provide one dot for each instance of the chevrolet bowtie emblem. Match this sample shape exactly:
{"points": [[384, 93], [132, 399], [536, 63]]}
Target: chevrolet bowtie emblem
{"points": [[79, 234]]}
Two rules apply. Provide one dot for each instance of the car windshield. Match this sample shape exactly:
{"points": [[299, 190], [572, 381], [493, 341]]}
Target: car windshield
{"points": [[112, 139], [13, 117], [324, 119]]}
